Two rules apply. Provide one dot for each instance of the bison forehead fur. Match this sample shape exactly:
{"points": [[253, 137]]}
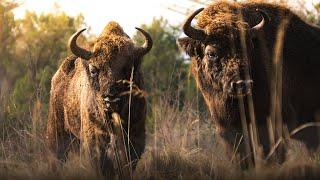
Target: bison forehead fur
{"points": [[222, 19], [112, 41], [236, 42], [89, 100]]}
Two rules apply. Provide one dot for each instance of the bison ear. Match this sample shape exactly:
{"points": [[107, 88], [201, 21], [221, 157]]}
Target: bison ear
{"points": [[190, 46]]}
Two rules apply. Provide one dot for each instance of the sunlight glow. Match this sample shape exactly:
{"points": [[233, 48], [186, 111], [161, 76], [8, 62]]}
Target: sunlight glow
{"points": [[127, 13], [97, 13]]}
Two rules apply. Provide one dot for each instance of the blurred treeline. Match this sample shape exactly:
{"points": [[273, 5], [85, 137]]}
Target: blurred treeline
{"points": [[32, 48]]}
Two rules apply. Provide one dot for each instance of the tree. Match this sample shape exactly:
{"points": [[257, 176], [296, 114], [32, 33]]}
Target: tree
{"points": [[163, 64], [314, 16], [38, 45], [165, 69], [7, 39]]}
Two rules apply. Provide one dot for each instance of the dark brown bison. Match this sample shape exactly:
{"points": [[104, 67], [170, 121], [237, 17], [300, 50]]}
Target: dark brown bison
{"points": [[97, 98], [234, 49]]}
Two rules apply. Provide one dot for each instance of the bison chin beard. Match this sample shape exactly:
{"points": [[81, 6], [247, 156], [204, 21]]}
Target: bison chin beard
{"points": [[224, 102], [224, 110]]}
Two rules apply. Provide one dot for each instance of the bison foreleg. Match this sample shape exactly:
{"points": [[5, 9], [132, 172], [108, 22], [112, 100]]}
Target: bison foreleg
{"points": [[96, 146], [58, 140]]}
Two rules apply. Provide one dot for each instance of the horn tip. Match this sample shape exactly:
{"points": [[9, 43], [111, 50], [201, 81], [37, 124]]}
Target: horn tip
{"points": [[199, 10], [78, 51], [83, 29]]}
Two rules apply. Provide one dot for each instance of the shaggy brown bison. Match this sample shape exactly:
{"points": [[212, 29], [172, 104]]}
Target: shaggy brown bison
{"points": [[234, 49], [92, 95]]}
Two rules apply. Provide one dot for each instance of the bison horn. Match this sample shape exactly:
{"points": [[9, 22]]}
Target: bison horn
{"points": [[75, 49], [257, 28], [147, 44], [192, 32]]}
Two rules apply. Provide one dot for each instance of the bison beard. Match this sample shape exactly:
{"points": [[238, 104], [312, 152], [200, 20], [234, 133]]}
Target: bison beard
{"points": [[232, 57], [89, 102]]}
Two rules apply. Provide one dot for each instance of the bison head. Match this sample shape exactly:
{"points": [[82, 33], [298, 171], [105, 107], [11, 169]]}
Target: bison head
{"points": [[220, 53], [111, 62], [221, 50]]}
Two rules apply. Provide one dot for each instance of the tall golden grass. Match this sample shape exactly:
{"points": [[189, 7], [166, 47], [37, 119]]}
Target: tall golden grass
{"points": [[182, 145]]}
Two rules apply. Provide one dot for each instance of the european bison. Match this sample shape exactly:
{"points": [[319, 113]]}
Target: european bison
{"points": [[92, 95], [233, 51]]}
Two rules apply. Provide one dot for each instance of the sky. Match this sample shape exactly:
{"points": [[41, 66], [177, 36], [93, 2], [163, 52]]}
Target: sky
{"points": [[128, 13], [97, 13]]}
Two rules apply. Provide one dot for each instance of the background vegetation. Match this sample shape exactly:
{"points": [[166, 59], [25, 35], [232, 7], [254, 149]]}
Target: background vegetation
{"points": [[181, 139]]}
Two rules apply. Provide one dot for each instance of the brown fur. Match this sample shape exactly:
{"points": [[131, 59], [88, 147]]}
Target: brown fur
{"points": [[224, 23], [78, 111]]}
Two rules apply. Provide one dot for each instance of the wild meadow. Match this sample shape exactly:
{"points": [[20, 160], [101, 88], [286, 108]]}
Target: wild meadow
{"points": [[181, 142]]}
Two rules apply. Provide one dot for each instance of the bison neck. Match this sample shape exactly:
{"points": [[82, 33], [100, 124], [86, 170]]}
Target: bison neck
{"points": [[224, 111]]}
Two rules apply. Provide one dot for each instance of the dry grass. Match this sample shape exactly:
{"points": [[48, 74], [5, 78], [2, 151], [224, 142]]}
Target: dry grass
{"points": [[182, 146]]}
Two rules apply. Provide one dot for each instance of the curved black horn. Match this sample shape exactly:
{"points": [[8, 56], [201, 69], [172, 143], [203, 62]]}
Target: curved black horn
{"points": [[192, 32], [75, 49], [265, 19], [147, 44]]}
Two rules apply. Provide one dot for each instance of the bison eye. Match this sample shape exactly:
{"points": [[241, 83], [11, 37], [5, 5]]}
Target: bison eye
{"points": [[93, 71], [211, 53], [212, 57]]}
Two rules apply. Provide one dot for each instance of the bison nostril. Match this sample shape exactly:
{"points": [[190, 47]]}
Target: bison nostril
{"points": [[240, 87], [232, 85], [250, 83], [240, 84]]}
